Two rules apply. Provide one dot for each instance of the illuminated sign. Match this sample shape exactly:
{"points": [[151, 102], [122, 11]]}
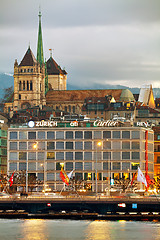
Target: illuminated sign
{"points": [[42, 124], [108, 123], [74, 124], [143, 124]]}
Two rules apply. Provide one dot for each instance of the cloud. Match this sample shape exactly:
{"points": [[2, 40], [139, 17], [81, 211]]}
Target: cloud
{"points": [[96, 41]]}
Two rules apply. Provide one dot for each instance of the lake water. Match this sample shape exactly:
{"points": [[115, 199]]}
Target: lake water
{"points": [[40, 229]]}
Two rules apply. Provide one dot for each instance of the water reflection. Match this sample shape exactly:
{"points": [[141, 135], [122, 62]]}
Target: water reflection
{"points": [[34, 229], [98, 230]]}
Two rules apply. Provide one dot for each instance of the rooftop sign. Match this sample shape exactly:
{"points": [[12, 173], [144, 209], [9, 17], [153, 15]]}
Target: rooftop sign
{"points": [[97, 123]]}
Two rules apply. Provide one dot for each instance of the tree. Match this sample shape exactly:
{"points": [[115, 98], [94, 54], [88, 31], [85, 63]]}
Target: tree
{"points": [[76, 184], [19, 180], [124, 184]]}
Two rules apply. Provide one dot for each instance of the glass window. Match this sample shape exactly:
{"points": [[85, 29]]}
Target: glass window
{"points": [[134, 166], [69, 145], [22, 135], [97, 135], [78, 156], [78, 134], [135, 145], [87, 155], [60, 156], [150, 147], [106, 134], [32, 156], [106, 155], [50, 166], [88, 176], [41, 135], [126, 134], [31, 145], [116, 134], [50, 145], [125, 155], [69, 135], [105, 165], [87, 145], [78, 176], [116, 155], [13, 135], [32, 166], [31, 135], [97, 155], [59, 145], [107, 145], [40, 166], [41, 145], [59, 135], [116, 145], [58, 166], [125, 165], [13, 166], [79, 145], [13, 156], [78, 166], [135, 155], [87, 134], [22, 145], [125, 145], [69, 166], [57, 177], [50, 135], [22, 166], [51, 176], [40, 156], [13, 146], [69, 155], [50, 155], [88, 166], [40, 176], [135, 134], [116, 166], [22, 155]]}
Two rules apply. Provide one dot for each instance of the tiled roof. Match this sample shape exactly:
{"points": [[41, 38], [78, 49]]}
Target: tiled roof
{"points": [[29, 59], [80, 95], [53, 68]]}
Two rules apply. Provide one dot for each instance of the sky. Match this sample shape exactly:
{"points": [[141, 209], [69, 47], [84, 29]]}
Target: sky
{"points": [[96, 41]]}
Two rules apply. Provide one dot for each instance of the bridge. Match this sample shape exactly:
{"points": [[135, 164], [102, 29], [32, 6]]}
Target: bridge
{"points": [[81, 208]]}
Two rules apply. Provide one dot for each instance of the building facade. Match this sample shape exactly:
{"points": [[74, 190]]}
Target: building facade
{"points": [[74, 145]]}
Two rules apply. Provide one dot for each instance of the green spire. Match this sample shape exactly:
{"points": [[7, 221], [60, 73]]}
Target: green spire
{"points": [[40, 58], [46, 79]]}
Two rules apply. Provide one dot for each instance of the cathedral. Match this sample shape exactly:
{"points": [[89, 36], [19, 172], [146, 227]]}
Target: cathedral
{"points": [[33, 77]]}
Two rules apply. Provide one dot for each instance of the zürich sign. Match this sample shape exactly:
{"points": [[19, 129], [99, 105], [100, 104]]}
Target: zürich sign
{"points": [[96, 123]]}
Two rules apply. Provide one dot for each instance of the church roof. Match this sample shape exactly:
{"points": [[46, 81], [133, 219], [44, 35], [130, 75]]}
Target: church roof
{"points": [[28, 59], [80, 95], [53, 68], [40, 57], [126, 96]]}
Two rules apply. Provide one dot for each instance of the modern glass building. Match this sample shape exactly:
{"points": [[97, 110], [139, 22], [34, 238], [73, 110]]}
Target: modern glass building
{"points": [[3, 151], [44, 146]]}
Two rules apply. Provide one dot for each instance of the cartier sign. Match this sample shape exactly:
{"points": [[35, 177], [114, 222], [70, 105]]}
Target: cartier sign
{"points": [[107, 123]]}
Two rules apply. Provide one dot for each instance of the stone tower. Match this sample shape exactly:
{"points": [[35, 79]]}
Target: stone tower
{"points": [[29, 78]]}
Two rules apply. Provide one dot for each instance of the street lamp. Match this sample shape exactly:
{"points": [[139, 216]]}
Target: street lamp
{"points": [[44, 181], [97, 145]]}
